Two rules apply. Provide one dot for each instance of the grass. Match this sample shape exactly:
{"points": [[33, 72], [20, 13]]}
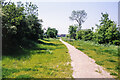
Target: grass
{"points": [[104, 55], [0, 69], [47, 59]]}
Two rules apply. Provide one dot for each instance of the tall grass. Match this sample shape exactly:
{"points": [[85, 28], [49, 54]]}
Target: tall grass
{"points": [[46, 59], [104, 55]]}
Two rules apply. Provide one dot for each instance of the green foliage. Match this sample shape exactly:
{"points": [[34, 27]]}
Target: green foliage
{"points": [[104, 55], [46, 59], [7, 72], [72, 31], [51, 32], [107, 32], [20, 24], [68, 35], [24, 76], [86, 34], [79, 34], [116, 42], [115, 74]]}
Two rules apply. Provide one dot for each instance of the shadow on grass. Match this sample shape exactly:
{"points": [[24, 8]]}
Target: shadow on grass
{"points": [[26, 50], [46, 39], [51, 44]]}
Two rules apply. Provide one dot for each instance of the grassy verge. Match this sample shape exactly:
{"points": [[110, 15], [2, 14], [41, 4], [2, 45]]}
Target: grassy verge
{"points": [[0, 69], [48, 59], [106, 56]]}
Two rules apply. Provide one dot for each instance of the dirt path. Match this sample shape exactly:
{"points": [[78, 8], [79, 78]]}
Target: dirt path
{"points": [[84, 66]]}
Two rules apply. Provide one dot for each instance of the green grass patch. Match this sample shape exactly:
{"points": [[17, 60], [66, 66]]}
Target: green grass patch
{"points": [[104, 55], [24, 76], [46, 59]]}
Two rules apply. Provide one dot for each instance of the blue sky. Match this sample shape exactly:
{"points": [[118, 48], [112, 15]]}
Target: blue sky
{"points": [[56, 14]]}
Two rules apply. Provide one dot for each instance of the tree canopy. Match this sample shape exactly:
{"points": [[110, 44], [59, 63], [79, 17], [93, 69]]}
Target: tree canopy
{"points": [[107, 31], [20, 23], [72, 31], [51, 32], [79, 16]]}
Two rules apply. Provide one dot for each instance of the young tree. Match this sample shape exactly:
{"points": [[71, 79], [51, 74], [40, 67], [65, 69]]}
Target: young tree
{"points": [[72, 31], [52, 32], [79, 16], [85, 34], [107, 31], [79, 34]]}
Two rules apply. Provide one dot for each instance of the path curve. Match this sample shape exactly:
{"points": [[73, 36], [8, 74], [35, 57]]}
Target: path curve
{"points": [[84, 66]]}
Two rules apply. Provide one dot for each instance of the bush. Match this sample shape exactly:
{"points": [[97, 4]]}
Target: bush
{"points": [[116, 42], [86, 34]]}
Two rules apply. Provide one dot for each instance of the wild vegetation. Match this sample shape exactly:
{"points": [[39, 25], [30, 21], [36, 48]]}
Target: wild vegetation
{"points": [[106, 33], [51, 33], [48, 58], [25, 54], [101, 44], [30, 52], [19, 24], [104, 55]]}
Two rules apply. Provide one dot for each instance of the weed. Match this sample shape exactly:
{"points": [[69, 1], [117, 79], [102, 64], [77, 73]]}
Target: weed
{"points": [[80, 48], [38, 61], [104, 55], [99, 62], [24, 76], [6, 72], [115, 74]]}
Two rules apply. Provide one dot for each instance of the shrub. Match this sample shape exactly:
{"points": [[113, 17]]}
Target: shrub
{"points": [[116, 42]]}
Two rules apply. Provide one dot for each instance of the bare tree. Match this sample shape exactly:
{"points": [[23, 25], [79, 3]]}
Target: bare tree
{"points": [[79, 16]]}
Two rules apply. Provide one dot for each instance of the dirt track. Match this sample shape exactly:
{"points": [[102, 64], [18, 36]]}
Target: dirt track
{"points": [[84, 66]]}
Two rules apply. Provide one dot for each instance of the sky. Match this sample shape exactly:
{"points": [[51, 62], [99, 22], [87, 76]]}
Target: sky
{"points": [[55, 13]]}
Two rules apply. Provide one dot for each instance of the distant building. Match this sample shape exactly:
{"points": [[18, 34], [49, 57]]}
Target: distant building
{"points": [[61, 35]]}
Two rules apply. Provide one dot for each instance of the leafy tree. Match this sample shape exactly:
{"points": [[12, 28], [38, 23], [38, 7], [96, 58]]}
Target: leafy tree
{"points": [[79, 34], [107, 32], [34, 24], [79, 16], [10, 21], [72, 31], [52, 32], [85, 34], [19, 25], [30, 9]]}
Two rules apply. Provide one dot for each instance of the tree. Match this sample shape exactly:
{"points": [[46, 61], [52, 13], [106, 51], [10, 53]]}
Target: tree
{"points": [[10, 21], [79, 16], [72, 31], [34, 24], [107, 32], [79, 34], [85, 34], [30, 9], [52, 32], [18, 25]]}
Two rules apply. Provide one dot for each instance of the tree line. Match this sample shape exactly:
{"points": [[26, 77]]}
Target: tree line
{"points": [[107, 31], [20, 24]]}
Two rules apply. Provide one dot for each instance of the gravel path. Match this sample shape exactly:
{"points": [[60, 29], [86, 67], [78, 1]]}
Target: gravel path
{"points": [[84, 66]]}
